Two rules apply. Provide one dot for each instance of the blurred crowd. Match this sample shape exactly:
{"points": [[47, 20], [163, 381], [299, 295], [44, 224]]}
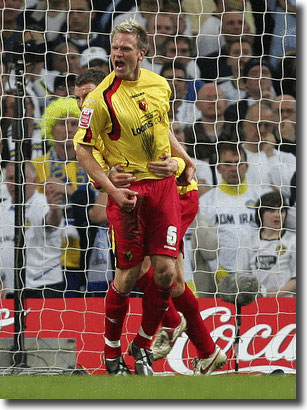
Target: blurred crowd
{"points": [[231, 66]]}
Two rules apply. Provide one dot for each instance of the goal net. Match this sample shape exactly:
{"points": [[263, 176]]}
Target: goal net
{"points": [[231, 67]]}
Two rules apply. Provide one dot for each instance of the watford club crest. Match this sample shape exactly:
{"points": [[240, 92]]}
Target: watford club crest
{"points": [[142, 104], [128, 255]]}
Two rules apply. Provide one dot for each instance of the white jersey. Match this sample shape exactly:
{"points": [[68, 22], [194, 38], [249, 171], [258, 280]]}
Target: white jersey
{"points": [[234, 217], [43, 247], [231, 93], [187, 113], [37, 143], [282, 167], [258, 172], [273, 262], [203, 172], [210, 39]]}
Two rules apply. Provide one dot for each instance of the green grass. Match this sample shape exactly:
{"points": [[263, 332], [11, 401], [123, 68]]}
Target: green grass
{"points": [[157, 387]]}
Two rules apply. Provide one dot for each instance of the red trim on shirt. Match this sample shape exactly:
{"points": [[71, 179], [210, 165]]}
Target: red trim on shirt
{"points": [[95, 185], [108, 93], [88, 135]]}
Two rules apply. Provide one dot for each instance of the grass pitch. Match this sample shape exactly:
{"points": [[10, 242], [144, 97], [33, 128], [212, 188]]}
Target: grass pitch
{"points": [[105, 387]]}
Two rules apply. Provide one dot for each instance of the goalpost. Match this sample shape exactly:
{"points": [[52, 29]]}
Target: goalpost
{"points": [[65, 334]]}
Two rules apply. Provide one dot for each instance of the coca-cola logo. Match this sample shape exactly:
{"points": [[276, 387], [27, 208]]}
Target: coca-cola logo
{"points": [[267, 332], [259, 341], [7, 317]]}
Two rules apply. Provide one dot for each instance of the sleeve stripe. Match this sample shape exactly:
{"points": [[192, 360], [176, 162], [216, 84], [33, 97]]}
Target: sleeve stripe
{"points": [[116, 130], [88, 135]]}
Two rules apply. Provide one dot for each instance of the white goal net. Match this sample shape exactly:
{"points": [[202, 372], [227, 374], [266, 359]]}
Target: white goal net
{"points": [[231, 67]]}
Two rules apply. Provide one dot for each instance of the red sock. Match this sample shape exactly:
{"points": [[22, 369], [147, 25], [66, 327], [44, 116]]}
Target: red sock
{"points": [[116, 306], [144, 281], [155, 303], [171, 317], [196, 330]]}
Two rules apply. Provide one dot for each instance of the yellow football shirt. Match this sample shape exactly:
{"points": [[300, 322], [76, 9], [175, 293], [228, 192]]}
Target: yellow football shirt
{"points": [[131, 119]]}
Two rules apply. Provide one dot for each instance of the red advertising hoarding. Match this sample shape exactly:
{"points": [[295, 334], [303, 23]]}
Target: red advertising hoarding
{"points": [[267, 333]]}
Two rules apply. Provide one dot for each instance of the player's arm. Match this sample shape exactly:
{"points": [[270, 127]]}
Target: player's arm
{"points": [[97, 213], [117, 176], [124, 197], [120, 178], [167, 167], [178, 151], [286, 290]]}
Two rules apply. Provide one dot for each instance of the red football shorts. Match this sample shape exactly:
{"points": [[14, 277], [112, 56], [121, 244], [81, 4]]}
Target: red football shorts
{"points": [[188, 208], [152, 228]]}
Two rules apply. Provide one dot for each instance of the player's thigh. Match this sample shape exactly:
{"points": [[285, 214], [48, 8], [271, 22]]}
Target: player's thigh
{"points": [[189, 204], [126, 234], [163, 219], [125, 279], [145, 265]]}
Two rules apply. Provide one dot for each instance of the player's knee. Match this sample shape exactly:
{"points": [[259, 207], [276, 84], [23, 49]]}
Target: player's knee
{"points": [[164, 274], [125, 279]]}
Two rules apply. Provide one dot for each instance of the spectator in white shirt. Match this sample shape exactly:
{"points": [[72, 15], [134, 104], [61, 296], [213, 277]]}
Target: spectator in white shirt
{"points": [[43, 222], [230, 208], [270, 252], [268, 165]]}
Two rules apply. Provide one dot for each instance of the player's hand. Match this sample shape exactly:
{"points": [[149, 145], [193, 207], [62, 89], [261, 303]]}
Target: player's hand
{"points": [[119, 178], [268, 144], [165, 168], [187, 175], [125, 198]]}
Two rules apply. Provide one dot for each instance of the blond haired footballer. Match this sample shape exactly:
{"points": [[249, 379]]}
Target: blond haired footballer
{"points": [[128, 112]]}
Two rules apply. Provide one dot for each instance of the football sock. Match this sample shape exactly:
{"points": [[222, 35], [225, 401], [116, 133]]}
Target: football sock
{"points": [[155, 303], [171, 317], [116, 306], [196, 330]]}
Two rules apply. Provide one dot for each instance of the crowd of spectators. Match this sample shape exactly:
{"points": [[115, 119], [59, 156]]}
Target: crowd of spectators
{"points": [[233, 107]]}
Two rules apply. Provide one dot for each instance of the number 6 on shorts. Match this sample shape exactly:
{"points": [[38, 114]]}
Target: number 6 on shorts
{"points": [[171, 236]]}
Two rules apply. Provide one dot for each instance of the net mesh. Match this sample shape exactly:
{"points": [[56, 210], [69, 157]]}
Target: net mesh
{"points": [[231, 68]]}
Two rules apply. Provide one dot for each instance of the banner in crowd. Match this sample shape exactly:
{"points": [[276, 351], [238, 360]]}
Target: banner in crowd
{"points": [[267, 333]]}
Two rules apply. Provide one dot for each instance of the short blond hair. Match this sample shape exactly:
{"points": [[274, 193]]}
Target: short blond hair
{"points": [[131, 26]]}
